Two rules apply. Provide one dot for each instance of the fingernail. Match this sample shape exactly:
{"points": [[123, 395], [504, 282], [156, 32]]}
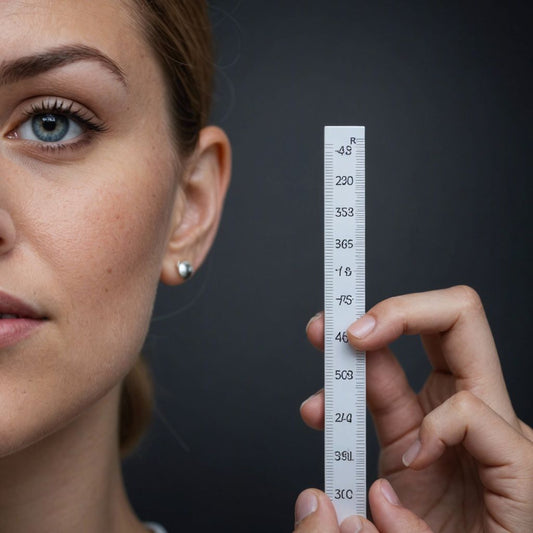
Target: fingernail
{"points": [[388, 492], [411, 453], [311, 397], [316, 317], [352, 524], [362, 327], [306, 504]]}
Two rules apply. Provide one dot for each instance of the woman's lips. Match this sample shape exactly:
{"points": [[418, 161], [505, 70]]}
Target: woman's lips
{"points": [[11, 305], [13, 330], [18, 319]]}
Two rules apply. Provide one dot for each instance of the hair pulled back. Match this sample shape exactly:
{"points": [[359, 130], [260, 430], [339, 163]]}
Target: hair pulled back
{"points": [[179, 33]]}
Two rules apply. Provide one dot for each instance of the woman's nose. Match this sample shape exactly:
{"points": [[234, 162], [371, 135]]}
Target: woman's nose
{"points": [[7, 232]]}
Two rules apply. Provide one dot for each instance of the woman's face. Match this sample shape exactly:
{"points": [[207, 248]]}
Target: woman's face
{"points": [[87, 189]]}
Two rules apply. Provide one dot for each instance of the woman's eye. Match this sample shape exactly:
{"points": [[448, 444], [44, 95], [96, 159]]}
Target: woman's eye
{"points": [[49, 128]]}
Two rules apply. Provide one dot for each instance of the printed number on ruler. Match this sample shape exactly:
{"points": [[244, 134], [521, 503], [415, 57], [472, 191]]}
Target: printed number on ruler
{"points": [[344, 275]]}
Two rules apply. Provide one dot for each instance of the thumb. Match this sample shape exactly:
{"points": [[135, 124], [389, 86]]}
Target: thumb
{"points": [[314, 513], [388, 513]]}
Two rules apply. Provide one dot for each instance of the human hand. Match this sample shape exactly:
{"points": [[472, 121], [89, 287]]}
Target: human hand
{"points": [[314, 513], [456, 452]]}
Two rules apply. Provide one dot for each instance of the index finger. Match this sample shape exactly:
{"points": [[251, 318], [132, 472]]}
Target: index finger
{"points": [[457, 337]]}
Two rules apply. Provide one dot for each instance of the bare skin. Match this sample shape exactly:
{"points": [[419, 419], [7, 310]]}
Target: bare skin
{"points": [[90, 221], [456, 454]]}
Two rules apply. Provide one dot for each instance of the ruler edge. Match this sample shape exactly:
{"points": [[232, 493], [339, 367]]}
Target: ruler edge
{"points": [[360, 502]]}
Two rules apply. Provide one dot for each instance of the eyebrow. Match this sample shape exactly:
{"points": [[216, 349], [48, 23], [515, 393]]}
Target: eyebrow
{"points": [[25, 67]]}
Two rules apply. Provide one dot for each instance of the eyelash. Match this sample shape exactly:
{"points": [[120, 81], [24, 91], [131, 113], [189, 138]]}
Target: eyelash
{"points": [[90, 123]]}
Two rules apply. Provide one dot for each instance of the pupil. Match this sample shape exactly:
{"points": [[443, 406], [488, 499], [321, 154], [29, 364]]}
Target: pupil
{"points": [[49, 122]]}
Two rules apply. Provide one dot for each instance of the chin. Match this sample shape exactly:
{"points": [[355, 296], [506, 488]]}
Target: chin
{"points": [[44, 420]]}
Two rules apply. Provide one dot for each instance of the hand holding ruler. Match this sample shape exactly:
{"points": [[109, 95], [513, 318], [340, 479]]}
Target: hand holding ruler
{"points": [[344, 277]]}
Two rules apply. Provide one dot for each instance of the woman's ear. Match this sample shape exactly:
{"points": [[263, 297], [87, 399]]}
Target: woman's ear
{"points": [[198, 204]]}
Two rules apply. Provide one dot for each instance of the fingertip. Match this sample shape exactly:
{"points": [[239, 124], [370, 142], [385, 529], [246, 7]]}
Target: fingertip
{"points": [[357, 524], [388, 492], [312, 410], [306, 504], [315, 331], [314, 512], [314, 318], [352, 524], [362, 327], [411, 453], [380, 497], [389, 514]]}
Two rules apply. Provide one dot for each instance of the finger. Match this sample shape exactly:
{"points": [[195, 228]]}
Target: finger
{"points": [[315, 331], [314, 513], [312, 410], [391, 400], [456, 332], [503, 452], [393, 404], [388, 513], [357, 524], [467, 420]]}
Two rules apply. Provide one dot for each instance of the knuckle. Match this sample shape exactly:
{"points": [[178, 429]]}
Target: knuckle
{"points": [[395, 309], [454, 413], [429, 426], [469, 299], [464, 403]]}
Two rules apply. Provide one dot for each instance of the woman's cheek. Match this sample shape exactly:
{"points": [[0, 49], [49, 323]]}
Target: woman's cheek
{"points": [[102, 251], [119, 244]]}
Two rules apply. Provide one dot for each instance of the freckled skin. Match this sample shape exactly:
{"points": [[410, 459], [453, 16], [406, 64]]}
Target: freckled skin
{"points": [[91, 231]]}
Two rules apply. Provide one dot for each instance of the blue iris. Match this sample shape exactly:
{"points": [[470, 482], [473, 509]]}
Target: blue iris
{"points": [[50, 128]]}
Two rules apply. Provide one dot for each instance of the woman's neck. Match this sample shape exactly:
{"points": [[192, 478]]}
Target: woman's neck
{"points": [[69, 481]]}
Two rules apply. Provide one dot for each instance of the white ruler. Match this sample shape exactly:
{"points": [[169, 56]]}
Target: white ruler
{"points": [[344, 275]]}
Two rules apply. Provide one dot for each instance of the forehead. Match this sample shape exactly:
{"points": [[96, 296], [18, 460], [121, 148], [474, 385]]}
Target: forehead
{"points": [[29, 26]]}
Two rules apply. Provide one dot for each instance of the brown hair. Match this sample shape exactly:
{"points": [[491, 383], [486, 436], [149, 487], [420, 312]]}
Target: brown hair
{"points": [[179, 33]]}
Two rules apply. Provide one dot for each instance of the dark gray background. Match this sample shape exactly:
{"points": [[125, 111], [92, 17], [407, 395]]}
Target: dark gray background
{"points": [[444, 90]]}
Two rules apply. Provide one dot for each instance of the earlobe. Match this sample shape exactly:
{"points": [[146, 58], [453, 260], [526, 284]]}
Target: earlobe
{"points": [[198, 205]]}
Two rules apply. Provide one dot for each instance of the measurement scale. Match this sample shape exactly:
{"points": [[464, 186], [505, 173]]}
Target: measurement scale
{"points": [[344, 276]]}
